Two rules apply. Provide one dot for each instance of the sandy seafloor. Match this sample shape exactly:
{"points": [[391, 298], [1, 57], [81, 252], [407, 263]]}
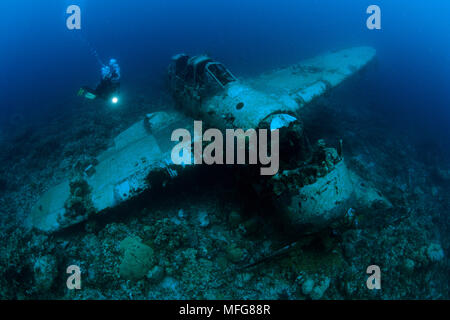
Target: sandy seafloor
{"points": [[198, 236]]}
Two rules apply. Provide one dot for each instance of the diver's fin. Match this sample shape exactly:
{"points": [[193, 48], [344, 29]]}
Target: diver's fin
{"points": [[86, 93], [90, 96]]}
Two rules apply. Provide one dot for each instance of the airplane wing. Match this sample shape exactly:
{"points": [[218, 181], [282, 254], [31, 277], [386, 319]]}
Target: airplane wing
{"points": [[250, 102], [121, 173], [308, 79]]}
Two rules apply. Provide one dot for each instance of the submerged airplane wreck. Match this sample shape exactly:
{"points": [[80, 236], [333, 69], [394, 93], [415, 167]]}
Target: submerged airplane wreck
{"points": [[313, 188]]}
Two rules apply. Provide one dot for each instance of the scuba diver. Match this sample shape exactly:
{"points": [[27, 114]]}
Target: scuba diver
{"points": [[109, 86]]}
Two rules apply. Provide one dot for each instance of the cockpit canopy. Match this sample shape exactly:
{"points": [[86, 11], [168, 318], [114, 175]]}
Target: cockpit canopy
{"points": [[200, 70]]}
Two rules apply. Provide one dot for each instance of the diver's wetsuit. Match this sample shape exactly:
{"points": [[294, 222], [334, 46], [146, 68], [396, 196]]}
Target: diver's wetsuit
{"points": [[108, 86], [105, 89]]}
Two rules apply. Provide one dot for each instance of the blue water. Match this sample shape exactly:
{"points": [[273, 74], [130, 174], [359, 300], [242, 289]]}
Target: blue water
{"points": [[43, 63]]}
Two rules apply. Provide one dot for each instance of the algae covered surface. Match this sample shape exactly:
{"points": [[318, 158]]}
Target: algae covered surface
{"points": [[210, 240], [364, 175]]}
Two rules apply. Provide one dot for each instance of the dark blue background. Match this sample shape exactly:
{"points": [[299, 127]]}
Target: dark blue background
{"points": [[43, 64]]}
